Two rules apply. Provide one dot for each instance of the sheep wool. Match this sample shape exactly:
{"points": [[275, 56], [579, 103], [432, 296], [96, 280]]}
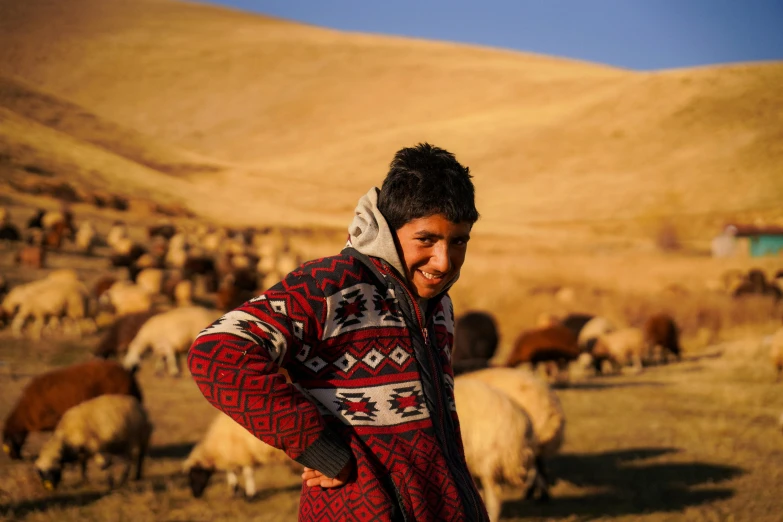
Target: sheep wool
{"points": [[227, 446], [498, 438], [106, 426]]}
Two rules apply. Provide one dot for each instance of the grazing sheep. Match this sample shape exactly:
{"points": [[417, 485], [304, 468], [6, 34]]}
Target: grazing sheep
{"points": [[540, 402], [594, 328], [117, 233], [150, 280], [33, 256], [49, 395], [120, 334], [756, 284], [169, 333], [475, 342], [103, 427], [661, 334], [576, 322], [555, 344], [9, 232], [776, 353], [86, 237], [621, 348], [227, 446], [52, 298], [166, 231], [126, 298], [498, 438]]}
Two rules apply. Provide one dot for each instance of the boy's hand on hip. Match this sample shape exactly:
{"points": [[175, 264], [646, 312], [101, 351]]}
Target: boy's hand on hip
{"points": [[313, 477]]}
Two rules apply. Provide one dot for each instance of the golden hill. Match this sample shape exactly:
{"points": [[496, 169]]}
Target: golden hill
{"points": [[298, 121]]}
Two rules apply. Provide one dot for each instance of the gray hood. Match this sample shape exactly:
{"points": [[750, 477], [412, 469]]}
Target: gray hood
{"points": [[369, 233]]}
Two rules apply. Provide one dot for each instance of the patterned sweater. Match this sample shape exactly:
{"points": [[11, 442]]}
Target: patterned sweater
{"points": [[373, 383]]}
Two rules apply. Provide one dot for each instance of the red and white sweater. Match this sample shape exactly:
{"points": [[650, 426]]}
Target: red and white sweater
{"points": [[372, 382]]}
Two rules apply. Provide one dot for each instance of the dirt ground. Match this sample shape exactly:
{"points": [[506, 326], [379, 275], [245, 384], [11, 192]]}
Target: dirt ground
{"points": [[695, 440]]}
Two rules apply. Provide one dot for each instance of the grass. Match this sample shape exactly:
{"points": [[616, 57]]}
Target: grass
{"points": [[696, 440]]}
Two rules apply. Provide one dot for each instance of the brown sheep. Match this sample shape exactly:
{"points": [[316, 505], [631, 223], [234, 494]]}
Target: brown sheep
{"points": [[556, 344], [48, 396], [660, 331], [115, 342], [102, 285], [33, 256]]}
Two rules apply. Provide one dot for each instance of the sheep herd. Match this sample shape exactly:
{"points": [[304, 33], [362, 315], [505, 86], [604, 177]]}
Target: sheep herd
{"points": [[158, 293]]}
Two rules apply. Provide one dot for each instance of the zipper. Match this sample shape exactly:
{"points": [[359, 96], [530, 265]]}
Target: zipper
{"points": [[439, 404]]}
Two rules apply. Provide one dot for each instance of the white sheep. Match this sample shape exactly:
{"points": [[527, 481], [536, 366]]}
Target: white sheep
{"points": [[498, 438], [622, 347], [593, 329], [168, 334], [227, 446], [51, 218], [538, 399], [106, 426], [86, 237], [117, 233], [127, 298], [150, 280], [51, 299]]}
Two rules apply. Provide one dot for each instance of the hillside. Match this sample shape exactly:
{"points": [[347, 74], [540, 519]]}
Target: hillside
{"points": [[292, 122]]}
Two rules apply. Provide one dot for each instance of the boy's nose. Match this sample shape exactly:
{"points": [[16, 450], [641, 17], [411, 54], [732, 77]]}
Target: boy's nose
{"points": [[440, 260]]}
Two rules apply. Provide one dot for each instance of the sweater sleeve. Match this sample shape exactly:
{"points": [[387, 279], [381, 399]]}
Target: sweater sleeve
{"points": [[235, 363]]}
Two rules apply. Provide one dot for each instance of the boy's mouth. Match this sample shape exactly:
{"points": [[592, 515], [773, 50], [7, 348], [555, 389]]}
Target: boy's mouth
{"points": [[434, 278]]}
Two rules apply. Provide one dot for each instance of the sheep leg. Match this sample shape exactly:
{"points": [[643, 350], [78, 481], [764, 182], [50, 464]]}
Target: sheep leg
{"points": [[169, 355], [491, 497], [250, 481], [18, 323], [233, 482], [142, 452]]}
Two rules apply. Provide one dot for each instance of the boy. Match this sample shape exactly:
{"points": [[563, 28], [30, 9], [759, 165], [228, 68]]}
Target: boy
{"points": [[366, 338]]}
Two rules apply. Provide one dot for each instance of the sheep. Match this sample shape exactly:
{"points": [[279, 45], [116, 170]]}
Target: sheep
{"points": [[49, 395], [756, 284], [52, 298], [33, 256], [227, 446], [9, 232], [150, 280], [169, 333], [621, 347], [776, 353], [120, 334], [117, 233], [661, 333], [165, 230], [576, 322], [103, 427], [86, 237], [102, 285], [475, 342], [126, 298], [498, 438], [555, 344], [592, 329], [536, 397]]}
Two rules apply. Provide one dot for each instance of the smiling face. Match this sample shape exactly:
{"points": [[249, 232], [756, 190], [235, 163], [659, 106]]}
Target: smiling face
{"points": [[432, 250]]}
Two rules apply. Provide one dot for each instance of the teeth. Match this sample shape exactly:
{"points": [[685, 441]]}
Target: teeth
{"points": [[428, 276]]}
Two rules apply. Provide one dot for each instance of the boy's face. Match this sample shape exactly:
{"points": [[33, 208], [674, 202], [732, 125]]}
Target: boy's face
{"points": [[432, 249]]}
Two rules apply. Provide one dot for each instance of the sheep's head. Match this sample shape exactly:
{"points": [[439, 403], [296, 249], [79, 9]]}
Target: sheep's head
{"points": [[12, 444], [50, 478], [199, 478]]}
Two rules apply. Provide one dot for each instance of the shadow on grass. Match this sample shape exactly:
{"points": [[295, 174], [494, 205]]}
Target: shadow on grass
{"points": [[627, 485], [607, 385], [15, 510], [171, 451]]}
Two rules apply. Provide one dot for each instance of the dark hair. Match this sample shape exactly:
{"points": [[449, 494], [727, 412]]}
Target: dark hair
{"points": [[425, 180]]}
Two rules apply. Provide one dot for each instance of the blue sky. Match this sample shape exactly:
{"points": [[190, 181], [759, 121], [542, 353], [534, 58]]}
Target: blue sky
{"points": [[634, 34]]}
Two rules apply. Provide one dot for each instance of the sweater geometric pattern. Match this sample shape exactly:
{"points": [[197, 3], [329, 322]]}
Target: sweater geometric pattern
{"points": [[370, 382]]}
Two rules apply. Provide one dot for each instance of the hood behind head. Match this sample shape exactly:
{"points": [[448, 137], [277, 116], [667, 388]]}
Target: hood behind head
{"points": [[369, 233]]}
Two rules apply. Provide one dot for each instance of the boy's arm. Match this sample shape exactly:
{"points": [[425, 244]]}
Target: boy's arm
{"points": [[235, 363]]}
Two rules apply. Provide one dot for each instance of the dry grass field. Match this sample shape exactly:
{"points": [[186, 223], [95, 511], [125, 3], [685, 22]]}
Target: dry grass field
{"points": [[599, 190]]}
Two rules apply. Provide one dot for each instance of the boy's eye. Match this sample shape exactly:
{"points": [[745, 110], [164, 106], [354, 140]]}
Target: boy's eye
{"points": [[425, 240]]}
